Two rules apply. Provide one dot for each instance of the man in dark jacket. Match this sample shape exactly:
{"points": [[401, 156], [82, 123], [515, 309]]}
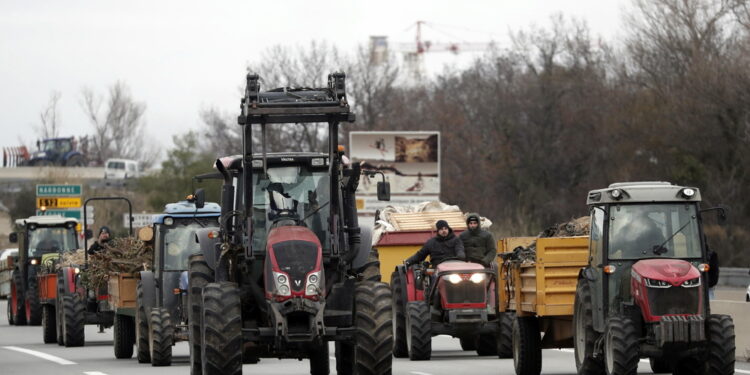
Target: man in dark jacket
{"points": [[104, 237], [440, 248], [479, 244]]}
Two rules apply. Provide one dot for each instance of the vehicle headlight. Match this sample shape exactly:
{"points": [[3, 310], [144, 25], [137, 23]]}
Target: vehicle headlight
{"points": [[34, 261], [283, 290], [168, 221], [311, 290], [282, 284], [651, 283], [477, 278], [454, 278], [281, 279], [76, 270], [692, 283]]}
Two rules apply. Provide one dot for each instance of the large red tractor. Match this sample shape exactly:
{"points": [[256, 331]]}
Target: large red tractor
{"points": [[644, 293], [285, 274], [455, 298]]}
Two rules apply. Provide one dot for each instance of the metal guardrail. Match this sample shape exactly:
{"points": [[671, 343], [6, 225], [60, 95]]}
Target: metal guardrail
{"points": [[734, 277]]}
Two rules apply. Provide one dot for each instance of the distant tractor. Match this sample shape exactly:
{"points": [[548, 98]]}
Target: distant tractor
{"points": [[56, 151], [37, 237], [162, 301], [644, 293]]}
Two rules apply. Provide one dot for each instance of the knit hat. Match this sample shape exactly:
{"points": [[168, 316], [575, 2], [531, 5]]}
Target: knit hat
{"points": [[104, 228], [442, 224]]}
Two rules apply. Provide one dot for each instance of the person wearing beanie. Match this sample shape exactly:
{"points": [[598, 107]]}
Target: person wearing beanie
{"points": [[479, 244], [445, 245], [104, 237]]}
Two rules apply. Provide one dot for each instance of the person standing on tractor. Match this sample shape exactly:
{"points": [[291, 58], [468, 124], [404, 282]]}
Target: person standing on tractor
{"points": [[99, 245], [440, 248], [479, 244]]}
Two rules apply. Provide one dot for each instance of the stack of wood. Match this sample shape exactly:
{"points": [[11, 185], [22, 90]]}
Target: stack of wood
{"points": [[576, 227], [121, 255], [426, 220], [71, 259]]}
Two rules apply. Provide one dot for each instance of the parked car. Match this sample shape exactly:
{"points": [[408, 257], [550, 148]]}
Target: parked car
{"points": [[116, 169]]}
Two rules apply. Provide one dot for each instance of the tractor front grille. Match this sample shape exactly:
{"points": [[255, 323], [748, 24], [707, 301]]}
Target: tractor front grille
{"points": [[464, 292], [297, 259], [674, 300]]}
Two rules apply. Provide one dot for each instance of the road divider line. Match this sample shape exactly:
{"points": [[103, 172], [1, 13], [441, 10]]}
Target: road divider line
{"points": [[41, 355]]}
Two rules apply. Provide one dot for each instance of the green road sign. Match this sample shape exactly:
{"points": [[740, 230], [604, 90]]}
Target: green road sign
{"points": [[58, 190], [75, 214]]}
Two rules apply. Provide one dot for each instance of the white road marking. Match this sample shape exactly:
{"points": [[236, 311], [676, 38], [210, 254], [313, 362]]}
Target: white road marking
{"points": [[93, 373], [419, 373], [741, 371], [46, 356]]}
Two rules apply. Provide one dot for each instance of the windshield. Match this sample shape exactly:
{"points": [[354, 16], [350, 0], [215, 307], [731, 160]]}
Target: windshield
{"points": [[179, 241], [45, 240], [291, 195], [116, 165], [654, 230]]}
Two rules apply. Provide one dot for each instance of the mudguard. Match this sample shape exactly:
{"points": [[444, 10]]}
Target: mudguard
{"points": [[148, 286], [209, 247], [401, 269], [68, 277], [586, 275], [363, 252]]}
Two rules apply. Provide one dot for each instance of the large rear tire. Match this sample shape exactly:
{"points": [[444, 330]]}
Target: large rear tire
{"points": [[124, 336], [621, 347], [400, 350], [221, 330], [32, 306], [660, 365], [320, 363], [59, 309], [73, 320], [486, 344], [721, 345], [17, 301], [505, 335], [418, 330], [584, 335], [160, 337], [49, 324], [371, 270], [468, 343], [141, 327], [527, 346], [199, 275]]}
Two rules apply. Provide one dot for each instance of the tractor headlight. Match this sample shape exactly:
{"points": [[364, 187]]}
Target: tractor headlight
{"points": [[281, 279], [692, 283], [34, 261], [454, 278], [477, 278], [313, 284], [168, 221], [77, 270], [651, 283], [283, 290], [687, 193], [282, 284], [311, 290]]}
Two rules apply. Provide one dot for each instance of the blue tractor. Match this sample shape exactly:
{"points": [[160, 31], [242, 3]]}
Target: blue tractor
{"points": [[56, 151]]}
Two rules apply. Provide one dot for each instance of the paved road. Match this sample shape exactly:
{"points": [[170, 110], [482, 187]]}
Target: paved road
{"points": [[20, 347]]}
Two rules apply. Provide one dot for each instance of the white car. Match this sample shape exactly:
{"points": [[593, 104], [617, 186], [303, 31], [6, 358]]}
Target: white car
{"points": [[117, 169]]}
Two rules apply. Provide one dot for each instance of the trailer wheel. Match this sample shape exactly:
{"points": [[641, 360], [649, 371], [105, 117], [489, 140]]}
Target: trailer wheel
{"points": [[320, 364], [160, 337], [621, 347], [124, 332], [468, 343], [527, 346], [199, 275], [418, 330], [49, 324], [505, 335], [584, 335], [74, 320], [721, 346], [32, 306], [17, 300], [400, 350], [221, 330], [141, 327]]}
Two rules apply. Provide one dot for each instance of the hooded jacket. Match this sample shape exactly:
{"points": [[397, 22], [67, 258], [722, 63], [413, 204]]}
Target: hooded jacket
{"points": [[479, 244], [439, 249]]}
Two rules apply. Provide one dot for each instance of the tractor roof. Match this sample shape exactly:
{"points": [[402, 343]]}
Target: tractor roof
{"points": [[47, 220], [644, 192], [186, 209], [234, 161]]}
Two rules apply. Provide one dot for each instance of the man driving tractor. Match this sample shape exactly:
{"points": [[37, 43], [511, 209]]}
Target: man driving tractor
{"points": [[440, 248]]}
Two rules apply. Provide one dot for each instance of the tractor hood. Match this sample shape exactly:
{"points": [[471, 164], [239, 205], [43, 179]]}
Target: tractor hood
{"points": [[457, 265], [673, 271]]}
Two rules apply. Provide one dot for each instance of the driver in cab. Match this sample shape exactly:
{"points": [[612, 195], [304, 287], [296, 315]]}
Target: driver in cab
{"points": [[446, 245]]}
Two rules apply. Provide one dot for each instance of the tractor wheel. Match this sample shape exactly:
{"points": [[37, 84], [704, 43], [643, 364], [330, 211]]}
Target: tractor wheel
{"points": [[320, 364], [721, 347], [505, 335], [400, 350], [124, 336], [584, 335], [199, 275], [17, 301], [160, 337], [486, 344], [527, 346], [59, 309], [659, 365], [221, 329], [344, 357], [621, 347], [73, 320], [418, 330], [141, 327], [468, 343], [49, 324], [371, 270], [32, 306], [75, 161]]}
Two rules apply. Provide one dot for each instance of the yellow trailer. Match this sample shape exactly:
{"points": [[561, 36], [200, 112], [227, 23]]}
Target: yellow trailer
{"points": [[540, 293]]}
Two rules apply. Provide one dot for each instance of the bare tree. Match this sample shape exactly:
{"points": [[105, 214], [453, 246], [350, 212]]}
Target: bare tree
{"points": [[119, 129], [222, 135], [49, 118], [371, 88]]}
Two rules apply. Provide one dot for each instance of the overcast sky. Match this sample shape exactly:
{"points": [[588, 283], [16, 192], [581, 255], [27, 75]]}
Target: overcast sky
{"points": [[181, 56]]}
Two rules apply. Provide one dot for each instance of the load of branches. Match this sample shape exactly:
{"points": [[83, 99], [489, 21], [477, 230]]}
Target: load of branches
{"points": [[121, 255], [527, 255]]}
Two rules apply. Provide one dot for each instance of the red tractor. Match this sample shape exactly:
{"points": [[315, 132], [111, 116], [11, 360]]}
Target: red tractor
{"points": [[644, 293], [285, 273], [455, 298]]}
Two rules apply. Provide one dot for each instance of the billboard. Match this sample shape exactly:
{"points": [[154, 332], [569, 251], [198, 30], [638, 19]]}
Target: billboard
{"points": [[409, 160]]}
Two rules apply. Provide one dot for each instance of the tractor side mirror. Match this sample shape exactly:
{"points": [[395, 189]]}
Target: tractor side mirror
{"points": [[200, 198], [89, 234], [146, 234], [13, 237], [384, 191], [721, 214]]}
